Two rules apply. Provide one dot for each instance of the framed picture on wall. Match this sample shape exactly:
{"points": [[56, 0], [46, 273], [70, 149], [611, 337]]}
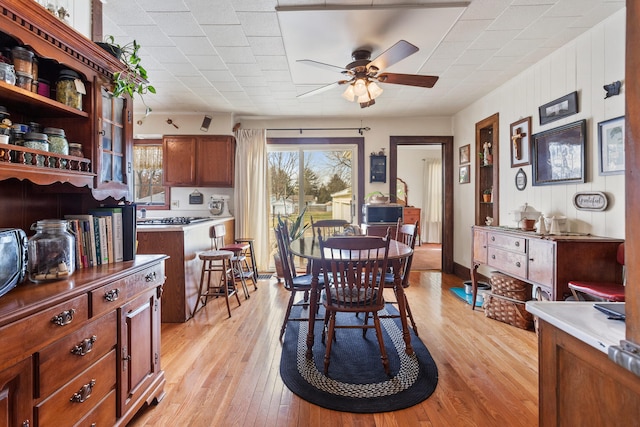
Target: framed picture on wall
{"points": [[463, 174], [520, 142], [559, 108], [611, 146], [559, 155], [465, 154]]}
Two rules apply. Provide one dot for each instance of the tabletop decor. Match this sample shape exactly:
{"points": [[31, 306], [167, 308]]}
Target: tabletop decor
{"points": [[357, 382]]}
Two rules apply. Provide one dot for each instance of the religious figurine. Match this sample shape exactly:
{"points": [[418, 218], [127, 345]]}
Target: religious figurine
{"points": [[517, 140], [486, 155]]}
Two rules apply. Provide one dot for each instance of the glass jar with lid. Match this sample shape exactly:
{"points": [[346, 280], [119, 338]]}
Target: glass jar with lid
{"points": [[22, 59], [7, 73], [75, 149], [39, 141], [57, 140], [51, 251], [67, 89]]}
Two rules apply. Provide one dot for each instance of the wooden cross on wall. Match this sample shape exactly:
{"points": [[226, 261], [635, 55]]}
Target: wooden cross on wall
{"points": [[517, 140]]}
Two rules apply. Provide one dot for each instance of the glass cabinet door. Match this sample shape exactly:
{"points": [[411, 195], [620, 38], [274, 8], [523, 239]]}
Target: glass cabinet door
{"points": [[114, 148]]}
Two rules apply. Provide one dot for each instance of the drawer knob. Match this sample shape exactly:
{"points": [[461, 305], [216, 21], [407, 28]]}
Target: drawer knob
{"points": [[112, 295], [493, 238], [493, 257], [150, 277], [84, 393], [64, 318], [84, 347], [517, 244], [518, 264]]}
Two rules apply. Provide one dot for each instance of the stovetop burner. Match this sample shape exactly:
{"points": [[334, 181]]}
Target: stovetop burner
{"points": [[174, 220]]}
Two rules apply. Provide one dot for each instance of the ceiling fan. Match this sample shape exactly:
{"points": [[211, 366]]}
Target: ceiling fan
{"points": [[363, 73]]}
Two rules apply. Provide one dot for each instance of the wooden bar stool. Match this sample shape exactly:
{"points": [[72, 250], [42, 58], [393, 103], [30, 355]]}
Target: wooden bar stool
{"points": [[217, 234], [216, 261], [250, 259]]}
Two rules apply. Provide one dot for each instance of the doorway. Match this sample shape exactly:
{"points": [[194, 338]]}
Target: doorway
{"points": [[445, 144]]}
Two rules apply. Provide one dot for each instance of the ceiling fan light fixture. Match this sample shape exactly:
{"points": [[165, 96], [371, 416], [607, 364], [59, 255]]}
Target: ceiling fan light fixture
{"points": [[348, 93], [360, 87], [364, 98], [367, 104], [374, 90]]}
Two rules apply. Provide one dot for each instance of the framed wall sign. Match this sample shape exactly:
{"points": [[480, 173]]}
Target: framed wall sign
{"points": [[559, 155], [520, 142], [378, 168], [611, 146], [559, 108], [521, 179]]}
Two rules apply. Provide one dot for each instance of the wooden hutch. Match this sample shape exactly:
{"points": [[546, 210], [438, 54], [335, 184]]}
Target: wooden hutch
{"points": [[96, 334]]}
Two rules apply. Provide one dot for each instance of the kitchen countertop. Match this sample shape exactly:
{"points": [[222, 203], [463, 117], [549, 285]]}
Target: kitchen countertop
{"points": [[179, 227], [581, 320]]}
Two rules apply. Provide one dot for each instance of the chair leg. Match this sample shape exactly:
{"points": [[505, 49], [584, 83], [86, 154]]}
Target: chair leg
{"points": [[327, 354], [383, 351], [366, 322], [413, 323], [288, 313]]}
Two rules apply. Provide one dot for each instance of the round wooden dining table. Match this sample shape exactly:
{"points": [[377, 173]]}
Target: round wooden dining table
{"points": [[309, 248]]}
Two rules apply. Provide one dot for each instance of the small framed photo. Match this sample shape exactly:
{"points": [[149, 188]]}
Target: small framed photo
{"points": [[520, 142], [465, 154], [463, 175], [559, 155], [611, 146], [559, 108]]}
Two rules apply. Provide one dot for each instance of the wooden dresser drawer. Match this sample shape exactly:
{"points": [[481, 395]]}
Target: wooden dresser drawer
{"points": [[510, 243], [111, 296], [43, 328], [80, 395], [74, 353], [508, 262], [104, 414]]}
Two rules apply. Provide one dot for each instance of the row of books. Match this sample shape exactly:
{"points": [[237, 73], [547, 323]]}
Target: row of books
{"points": [[104, 235]]}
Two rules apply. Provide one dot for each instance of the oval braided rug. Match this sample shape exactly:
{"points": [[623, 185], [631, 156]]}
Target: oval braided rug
{"points": [[357, 381]]}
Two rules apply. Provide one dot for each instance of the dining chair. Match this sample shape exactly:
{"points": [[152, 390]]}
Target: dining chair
{"points": [[328, 227], [601, 291], [356, 266], [407, 234], [293, 282]]}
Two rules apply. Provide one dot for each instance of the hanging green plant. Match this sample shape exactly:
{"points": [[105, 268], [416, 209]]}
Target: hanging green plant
{"points": [[134, 79]]}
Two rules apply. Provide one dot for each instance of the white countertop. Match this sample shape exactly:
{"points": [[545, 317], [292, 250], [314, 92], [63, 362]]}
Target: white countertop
{"points": [[581, 320], [179, 227]]}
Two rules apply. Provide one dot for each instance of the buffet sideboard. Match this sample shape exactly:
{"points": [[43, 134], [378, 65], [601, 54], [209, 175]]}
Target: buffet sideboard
{"points": [[548, 262]]}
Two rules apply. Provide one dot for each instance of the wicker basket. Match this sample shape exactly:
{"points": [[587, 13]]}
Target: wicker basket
{"points": [[507, 310], [510, 287]]}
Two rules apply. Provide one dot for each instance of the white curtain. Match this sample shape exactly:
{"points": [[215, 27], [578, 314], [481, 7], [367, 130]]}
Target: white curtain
{"points": [[431, 227], [251, 193]]}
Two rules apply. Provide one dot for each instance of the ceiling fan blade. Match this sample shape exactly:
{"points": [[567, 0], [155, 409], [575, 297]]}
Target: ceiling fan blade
{"points": [[323, 65], [394, 54], [322, 89], [408, 79]]}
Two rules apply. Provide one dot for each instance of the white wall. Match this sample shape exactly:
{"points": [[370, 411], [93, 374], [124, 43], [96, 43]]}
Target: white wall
{"points": [[586, 64]]}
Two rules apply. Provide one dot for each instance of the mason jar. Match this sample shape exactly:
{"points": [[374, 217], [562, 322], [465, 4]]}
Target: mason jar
{"points": [[66, 90], [51, 251]]}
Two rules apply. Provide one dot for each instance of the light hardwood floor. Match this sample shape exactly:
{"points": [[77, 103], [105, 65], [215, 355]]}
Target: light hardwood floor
{"points": [[225, 372]]}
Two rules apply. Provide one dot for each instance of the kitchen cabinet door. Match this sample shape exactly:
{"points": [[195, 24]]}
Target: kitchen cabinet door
{"points": [[216, 155], [179, 156]]}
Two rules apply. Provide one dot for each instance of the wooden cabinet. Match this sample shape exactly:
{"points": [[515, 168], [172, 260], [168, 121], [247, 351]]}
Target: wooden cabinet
{"points": [[16, 393], [548, 262], [206, 161], [76, 356], [183, 267], [410, 216], [487, 170], [101, 133], [580, 386]]}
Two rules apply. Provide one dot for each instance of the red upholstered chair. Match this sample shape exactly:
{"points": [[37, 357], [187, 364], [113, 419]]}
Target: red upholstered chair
{"points": [[601, 291]]}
